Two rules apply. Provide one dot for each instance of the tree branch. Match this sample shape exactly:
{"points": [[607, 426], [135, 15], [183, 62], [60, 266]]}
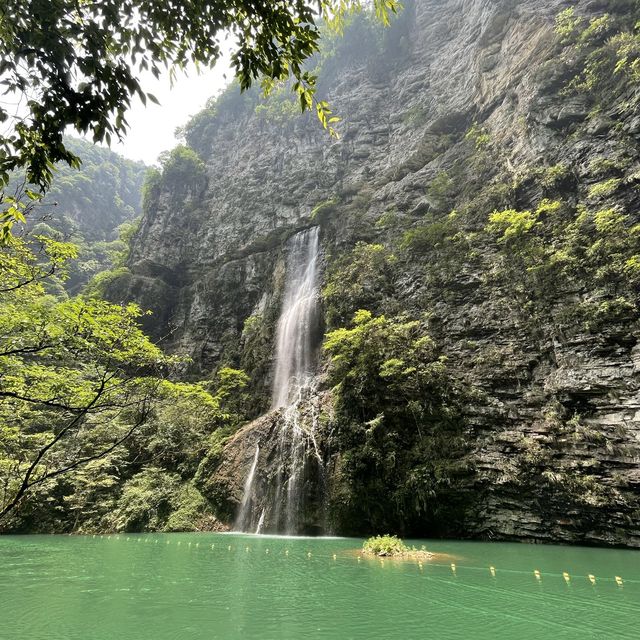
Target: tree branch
{"points": [[26, 484]]}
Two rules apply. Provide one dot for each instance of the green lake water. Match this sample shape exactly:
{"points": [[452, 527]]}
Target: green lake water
{"points": [[216, 586]]}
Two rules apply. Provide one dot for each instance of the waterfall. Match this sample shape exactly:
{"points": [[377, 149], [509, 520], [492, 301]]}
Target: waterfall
{"points": [[295, 357], [244, 514], [296, 451], [260, 523]]}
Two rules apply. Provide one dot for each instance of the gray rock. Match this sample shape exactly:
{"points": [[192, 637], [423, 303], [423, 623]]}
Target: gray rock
{"points": [[206, 261]]}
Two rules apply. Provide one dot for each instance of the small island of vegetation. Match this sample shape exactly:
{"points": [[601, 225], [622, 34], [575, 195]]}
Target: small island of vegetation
{"points": [[392, 546]]}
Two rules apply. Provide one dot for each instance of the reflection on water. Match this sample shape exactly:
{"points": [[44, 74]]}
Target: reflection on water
{"points": [[210, 586]]}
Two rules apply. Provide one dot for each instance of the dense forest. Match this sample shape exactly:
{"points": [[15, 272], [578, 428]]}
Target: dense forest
{"points": [[480, 262], [79, 377]]}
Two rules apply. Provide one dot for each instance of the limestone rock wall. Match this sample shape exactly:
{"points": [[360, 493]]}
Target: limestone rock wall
{"points": [[210, 257]]}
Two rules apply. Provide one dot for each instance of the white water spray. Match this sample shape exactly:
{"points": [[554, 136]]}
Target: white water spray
{"points": [[260, 523], [244, 514], [294, 382]]}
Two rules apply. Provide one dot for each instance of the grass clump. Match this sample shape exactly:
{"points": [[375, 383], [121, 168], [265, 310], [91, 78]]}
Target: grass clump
{"points": [[385, 546]]}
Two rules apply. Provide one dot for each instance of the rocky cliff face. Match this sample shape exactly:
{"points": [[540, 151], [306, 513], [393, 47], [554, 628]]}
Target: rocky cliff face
{"points": [[466, 105]]}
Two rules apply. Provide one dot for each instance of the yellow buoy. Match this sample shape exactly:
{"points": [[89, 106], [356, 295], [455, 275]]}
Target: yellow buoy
{"points": [[592, 578], [619, 581], [492, 570]]}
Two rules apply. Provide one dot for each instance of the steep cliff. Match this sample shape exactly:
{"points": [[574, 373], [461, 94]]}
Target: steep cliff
{"points": [[485, 185]]}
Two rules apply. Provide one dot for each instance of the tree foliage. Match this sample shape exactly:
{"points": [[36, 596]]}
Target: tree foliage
{"points": [[399, 428], [362, 278], [61, 364], [78, 381], [77, 63], [95, 207], [90, 203], [604, 50]]}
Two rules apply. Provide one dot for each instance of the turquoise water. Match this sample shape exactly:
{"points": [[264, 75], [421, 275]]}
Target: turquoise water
{"points": [[216, 586]]}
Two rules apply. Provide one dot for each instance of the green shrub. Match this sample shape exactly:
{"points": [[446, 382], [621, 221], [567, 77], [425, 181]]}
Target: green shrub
{"points": [[189, 508], [597, 30], [604, 189], [568, 25], [603, 166], [104, 280], [511, 225], [392, 221], [385, 546], [442, 190], [610, 221], [279, 106], [608, 312], [151, 190], [146, 501], [182, 167], [398, 428], [603, 54], [478, 135], [363, 278], [550, 177], [155, 500], [324, 210]]}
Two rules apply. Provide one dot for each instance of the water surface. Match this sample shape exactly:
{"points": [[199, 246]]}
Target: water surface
{"points": [[215, 586]]}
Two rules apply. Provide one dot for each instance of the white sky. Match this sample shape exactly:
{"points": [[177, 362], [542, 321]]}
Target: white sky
{"points": [[151, 128]]}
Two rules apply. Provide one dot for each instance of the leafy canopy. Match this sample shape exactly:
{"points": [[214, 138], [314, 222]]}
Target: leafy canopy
{"points": [[78, 379], [76, 63], [398, 427]]}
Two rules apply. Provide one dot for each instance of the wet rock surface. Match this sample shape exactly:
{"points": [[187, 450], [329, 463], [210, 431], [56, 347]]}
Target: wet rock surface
{"points": [[224, 482]]}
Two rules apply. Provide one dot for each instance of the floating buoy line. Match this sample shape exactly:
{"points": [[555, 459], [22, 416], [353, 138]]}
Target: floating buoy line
{"points": [[334, 557]]}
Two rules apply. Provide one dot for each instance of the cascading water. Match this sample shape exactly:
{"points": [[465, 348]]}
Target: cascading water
{"points": [[244, 513], [296, 452], [295, 345]]}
